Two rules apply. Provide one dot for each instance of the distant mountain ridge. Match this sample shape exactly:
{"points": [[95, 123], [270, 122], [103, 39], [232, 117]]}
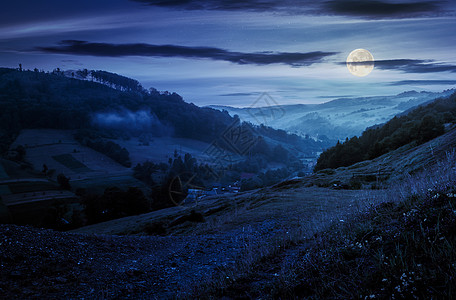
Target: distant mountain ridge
{"points": [[339, 118]]}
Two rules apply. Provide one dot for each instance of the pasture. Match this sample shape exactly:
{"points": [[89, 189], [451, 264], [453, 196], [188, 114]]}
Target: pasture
{"points": [[58, 150], [71, 163]]}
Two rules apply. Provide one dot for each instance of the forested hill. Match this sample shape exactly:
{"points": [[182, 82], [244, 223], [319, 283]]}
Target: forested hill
{"points": [[35, 99], [417, 126]]}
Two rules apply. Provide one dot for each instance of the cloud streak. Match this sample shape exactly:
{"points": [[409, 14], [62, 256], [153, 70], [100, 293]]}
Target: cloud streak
{"points": [[371, 9], [414, 66], [295, 59], [423, 82], [380, 9], [408, 65]]}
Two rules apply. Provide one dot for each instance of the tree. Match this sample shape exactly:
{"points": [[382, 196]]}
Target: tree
{"points": [[63, 181]]}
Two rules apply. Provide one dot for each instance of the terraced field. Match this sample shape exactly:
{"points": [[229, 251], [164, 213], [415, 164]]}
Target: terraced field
{"points": [[71, 163], [61, 152]]}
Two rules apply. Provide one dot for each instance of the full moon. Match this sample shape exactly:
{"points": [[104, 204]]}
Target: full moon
{"points": [[360, 62]]}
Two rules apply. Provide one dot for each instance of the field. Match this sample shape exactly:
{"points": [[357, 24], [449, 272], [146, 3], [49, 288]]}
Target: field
{"points": [[28, 194], [162, 148], [71, 163], [61, 152]]}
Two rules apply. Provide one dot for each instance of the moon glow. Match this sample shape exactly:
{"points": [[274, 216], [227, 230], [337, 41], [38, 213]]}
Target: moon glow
{"points": [[360, 62]]}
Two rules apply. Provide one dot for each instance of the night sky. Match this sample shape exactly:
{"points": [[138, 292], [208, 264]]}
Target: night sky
{"points": [[230, 52]]}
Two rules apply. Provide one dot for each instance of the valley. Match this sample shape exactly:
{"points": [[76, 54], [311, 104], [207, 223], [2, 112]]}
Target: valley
{"points": [[335, 119], [158, 198]]}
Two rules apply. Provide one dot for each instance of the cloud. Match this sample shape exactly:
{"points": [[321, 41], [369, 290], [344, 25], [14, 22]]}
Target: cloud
{"points": [[148, 50], [414, 66], [380, 9], [424, 82], [138, 121], [240, 94], [258, 5], [360, 8], [409, 65]]}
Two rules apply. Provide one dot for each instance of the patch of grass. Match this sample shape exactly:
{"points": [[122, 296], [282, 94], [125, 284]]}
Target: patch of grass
{"points": [[71, 163]]}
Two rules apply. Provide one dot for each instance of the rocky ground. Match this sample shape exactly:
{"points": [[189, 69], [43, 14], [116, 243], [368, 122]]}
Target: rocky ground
{"points": [[37, 263]]}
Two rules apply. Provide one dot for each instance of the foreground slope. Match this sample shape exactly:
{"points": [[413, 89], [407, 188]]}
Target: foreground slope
{"points": [[38, 263]]}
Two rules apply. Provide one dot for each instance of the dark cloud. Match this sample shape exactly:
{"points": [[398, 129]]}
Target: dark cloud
{"points": [[258, 5], [359, 8], [409, 65], [380, 9], [119, 50], [424, 82]]}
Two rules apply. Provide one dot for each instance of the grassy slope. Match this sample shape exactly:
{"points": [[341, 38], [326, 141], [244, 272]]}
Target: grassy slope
{"points": [[292, 205], [56, 149], [403, 248], [43, 144], [402, 162]]}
